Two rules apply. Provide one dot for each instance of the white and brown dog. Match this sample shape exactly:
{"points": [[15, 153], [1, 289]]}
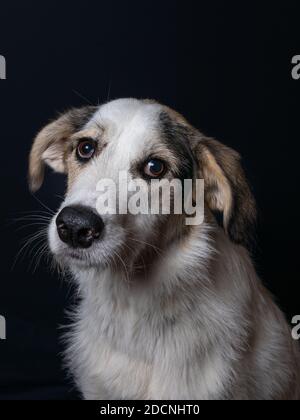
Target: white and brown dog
{"points": [[167, 311]]}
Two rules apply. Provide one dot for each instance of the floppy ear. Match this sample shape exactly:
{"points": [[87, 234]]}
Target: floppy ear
{"points": [[50, 145], [227, 190]]}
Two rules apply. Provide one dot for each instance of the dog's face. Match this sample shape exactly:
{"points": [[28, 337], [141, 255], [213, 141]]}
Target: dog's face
{"points": [[143, 140]]}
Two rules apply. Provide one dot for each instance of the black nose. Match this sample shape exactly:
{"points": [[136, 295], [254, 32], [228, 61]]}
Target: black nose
{"points": [[79, 226]]}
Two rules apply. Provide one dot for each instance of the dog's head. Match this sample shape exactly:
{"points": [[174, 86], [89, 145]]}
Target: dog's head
{"points": [[145, 140]]}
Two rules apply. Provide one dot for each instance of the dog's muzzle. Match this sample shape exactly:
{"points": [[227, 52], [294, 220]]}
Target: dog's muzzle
{"points": [[79, 226]]}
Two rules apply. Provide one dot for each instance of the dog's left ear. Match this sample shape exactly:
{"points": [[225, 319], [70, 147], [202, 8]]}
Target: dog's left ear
{"points": [[226, 188], [50, 145]]}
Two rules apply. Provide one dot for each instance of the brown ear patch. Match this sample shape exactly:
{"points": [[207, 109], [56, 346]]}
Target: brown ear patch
{"points": [[50, 145], [227, 190]]}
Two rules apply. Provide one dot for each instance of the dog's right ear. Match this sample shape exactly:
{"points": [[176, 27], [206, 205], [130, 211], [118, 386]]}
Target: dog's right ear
{"points": [[50, 145]]}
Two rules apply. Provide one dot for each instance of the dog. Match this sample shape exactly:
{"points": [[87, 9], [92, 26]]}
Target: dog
{"points": [[167, 311]]}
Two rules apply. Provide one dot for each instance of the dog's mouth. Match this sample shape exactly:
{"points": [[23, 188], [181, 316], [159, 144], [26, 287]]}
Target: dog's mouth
{"points": [[72, 257], [94, 257]]}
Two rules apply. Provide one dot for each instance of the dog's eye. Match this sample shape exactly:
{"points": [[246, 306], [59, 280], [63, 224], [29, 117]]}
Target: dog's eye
{"points": [[154, 168], [86, 149]]}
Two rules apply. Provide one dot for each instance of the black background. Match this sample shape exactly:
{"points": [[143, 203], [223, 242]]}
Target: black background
{"points": [[226, 67]]}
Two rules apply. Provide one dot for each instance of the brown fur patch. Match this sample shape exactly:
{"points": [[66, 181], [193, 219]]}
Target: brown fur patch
{"points": [[51, 143], [227, 189]]}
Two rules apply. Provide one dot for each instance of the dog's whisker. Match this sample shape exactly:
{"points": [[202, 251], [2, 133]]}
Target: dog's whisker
{"points": [[136, 267], [29, 218], [109, 89], [158, 250], [31, 225], [124, 265], [36, 235], [21, 254], [82, 97], [43, 205], [35, 248], [32, 218], [29, 212], [39, 237], [43, 251]]}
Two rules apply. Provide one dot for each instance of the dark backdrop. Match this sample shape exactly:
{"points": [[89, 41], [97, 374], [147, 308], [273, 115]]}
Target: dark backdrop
{"points": [[228, 69]]}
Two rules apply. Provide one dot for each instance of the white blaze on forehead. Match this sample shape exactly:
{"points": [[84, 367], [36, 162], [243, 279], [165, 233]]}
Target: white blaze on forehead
{"points": [[130, 125], [123, 111]]}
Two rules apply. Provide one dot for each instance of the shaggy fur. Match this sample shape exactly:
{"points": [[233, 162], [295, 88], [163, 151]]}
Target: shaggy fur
{"points": [[166, 311]]}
